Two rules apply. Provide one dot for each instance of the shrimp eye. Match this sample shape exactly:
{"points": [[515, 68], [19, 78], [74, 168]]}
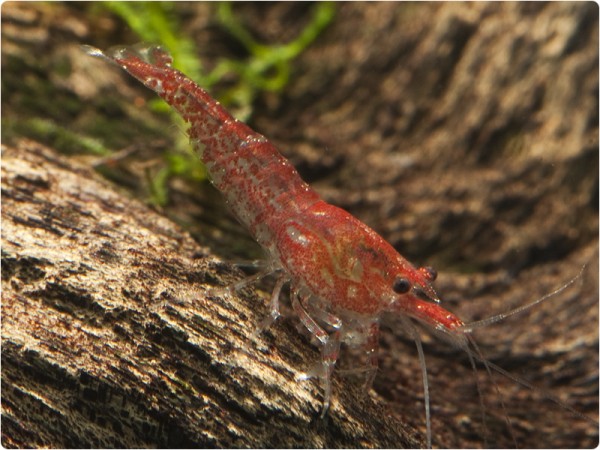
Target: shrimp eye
{"points": [[401, 286], [429, 272]]}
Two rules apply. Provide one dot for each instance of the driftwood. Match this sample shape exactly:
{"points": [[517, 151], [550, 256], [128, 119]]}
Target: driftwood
{"points": [[465, 133], [111, 336]]}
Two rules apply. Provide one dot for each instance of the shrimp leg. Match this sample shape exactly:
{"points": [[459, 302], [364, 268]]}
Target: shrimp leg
{"points": [[322, 315], [372, 351], [273, 304], [330, 349]]}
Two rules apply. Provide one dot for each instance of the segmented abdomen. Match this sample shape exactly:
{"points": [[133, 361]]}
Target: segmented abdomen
{"points": [[261, 186]]}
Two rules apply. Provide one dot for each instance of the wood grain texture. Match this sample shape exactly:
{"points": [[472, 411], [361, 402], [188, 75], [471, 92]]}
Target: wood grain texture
{"points": [[111, 338]]}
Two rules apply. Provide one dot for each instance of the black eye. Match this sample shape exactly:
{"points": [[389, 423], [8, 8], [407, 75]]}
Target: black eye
{"points": [[429, 272], [401, 286]]}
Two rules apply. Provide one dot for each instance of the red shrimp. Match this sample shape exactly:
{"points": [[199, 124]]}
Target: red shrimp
{"points": [[343, 275]]}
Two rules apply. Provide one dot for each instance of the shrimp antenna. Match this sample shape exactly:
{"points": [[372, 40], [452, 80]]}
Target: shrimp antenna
{"points": [[408, 324], [467, 343], [469, 327], [531, 387], [479, 355]]}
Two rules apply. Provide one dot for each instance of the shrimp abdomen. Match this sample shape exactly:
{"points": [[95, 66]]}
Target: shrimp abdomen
{"points": [[259, 184]]}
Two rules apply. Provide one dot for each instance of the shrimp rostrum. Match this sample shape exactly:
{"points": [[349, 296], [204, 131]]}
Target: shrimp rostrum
{"points": [[343, 276]]}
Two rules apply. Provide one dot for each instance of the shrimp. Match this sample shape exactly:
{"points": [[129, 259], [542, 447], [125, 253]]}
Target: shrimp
{"points": [[343, 276]]}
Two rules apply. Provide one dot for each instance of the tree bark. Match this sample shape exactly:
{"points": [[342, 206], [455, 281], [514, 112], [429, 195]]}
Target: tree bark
{"points": [[111, 336]]}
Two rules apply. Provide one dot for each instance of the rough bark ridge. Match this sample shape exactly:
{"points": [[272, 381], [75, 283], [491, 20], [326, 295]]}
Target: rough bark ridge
{"points": [[111, 337], [465, 133]]}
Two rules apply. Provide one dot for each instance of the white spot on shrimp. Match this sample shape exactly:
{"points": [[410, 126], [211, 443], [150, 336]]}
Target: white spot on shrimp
{"points": [[253, 139], [357, 270], [154, 84], [351, 291], [215, 171], [326, 277], [264, 236], [297, 235]]}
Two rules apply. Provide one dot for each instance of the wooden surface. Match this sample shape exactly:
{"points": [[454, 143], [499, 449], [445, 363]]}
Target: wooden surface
{"points": [[111, 337]]}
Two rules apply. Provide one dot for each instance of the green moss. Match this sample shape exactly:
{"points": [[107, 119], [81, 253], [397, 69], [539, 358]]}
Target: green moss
{"points": [[54, 135], [269, 66]]}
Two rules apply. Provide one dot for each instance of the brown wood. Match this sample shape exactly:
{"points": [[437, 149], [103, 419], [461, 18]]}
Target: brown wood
{"points": [[112, 338]]}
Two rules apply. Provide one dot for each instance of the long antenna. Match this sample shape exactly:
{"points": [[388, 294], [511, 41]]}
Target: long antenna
{"points": [[469, 327], [415, 335], [487, 364], [545, 394]]}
